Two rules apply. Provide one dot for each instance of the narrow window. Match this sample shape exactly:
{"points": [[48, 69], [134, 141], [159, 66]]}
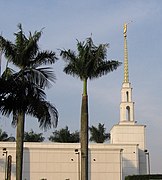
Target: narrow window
{"points": [[127, 94], [128, 113]]}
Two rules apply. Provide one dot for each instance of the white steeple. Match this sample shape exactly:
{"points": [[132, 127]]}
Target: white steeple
{"points": [[126, 105], [127, 132]]}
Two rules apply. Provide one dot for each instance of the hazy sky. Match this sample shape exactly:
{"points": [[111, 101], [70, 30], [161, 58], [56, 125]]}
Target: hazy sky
{"points": [[64, 21]]}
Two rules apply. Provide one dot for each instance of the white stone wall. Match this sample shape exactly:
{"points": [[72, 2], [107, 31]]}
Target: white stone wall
{"points": [[59, 161], [128, 134], [131, 134], [105, 163]]}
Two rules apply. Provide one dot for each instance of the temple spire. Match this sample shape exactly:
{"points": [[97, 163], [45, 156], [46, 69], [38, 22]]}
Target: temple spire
{"points": [[126, 105], [126, 72]]}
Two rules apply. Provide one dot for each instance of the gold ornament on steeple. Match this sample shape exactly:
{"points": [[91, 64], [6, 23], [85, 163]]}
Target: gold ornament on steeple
{"points": [[125, 30], [126, 73]]}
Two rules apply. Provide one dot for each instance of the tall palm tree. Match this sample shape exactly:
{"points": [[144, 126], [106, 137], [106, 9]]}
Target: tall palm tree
{"points": [[88, 63], [22, 92], [98, 134]]}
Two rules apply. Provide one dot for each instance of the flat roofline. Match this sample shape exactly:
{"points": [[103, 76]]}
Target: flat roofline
{"points": [[65, 146]]}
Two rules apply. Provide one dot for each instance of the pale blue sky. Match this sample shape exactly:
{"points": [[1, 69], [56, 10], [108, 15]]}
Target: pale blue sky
{"points": [[67, 20]]}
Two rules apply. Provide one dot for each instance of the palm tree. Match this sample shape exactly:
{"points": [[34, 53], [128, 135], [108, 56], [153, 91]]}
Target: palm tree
{"points": [[88, 63], [98, 134], [22, 92]]}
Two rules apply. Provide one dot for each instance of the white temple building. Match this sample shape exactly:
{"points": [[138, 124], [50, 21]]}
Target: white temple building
{"points": [[125, 155]]}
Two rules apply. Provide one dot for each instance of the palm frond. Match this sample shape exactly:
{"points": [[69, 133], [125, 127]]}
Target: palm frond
{"points": [[39, 76], [46, 113], [68, 55], [15, 94], [7, 73], [31, 49], [44, 58], [105, 68], [8, 48], [23, 91], [20, 39], [89, 62]]}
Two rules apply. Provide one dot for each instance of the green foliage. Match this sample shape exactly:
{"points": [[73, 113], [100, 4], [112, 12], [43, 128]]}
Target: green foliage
{"points": [[64, 135], [98, 134], [144, 177], [89, 62], [3, 135], [31, 136]]}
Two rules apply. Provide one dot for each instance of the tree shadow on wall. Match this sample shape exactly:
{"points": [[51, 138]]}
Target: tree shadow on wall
{"points": [[3, 164]]}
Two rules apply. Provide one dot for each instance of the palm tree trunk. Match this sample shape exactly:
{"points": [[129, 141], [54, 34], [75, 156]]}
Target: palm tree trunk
{"points": [[19, 145], [84, 133]]}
